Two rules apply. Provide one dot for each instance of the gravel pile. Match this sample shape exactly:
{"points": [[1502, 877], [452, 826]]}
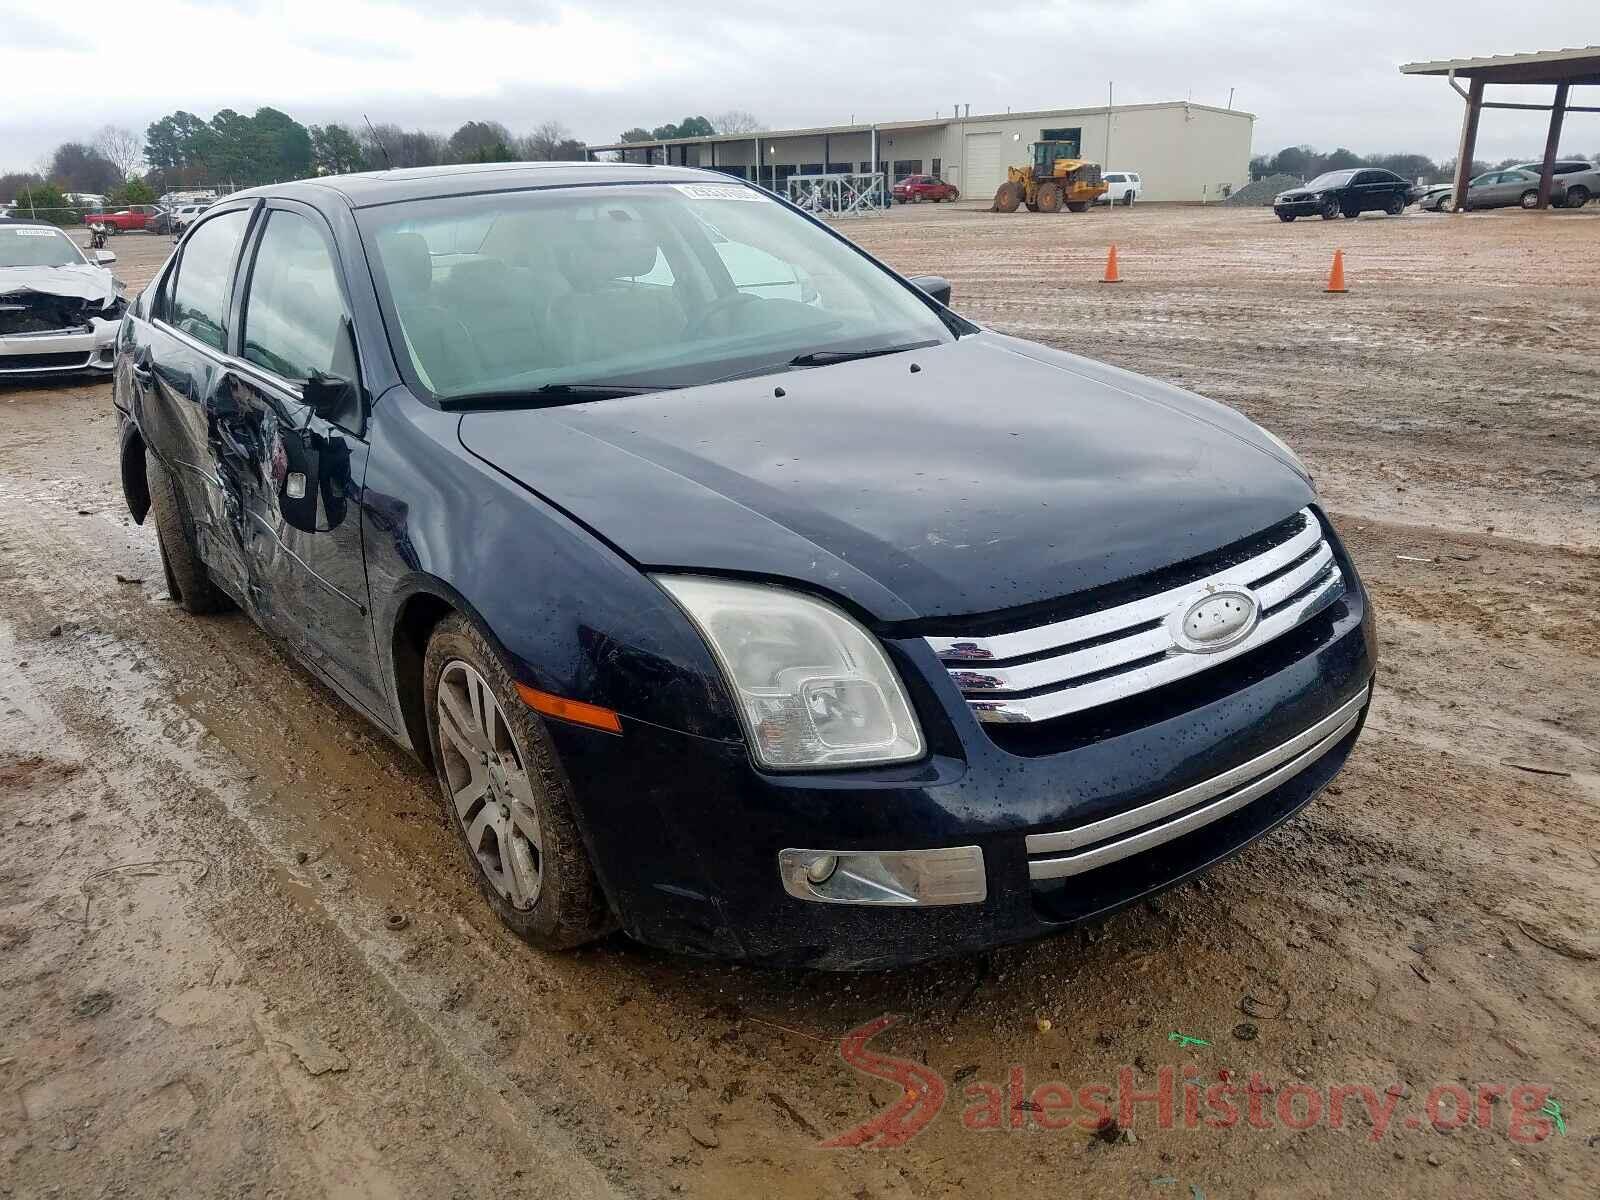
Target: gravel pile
{"points": [[1261, 192]]}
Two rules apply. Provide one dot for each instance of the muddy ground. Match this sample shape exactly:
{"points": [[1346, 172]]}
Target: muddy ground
{"points": [[202, 851]]}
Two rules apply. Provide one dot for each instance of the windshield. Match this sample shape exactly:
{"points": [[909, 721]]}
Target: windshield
{"points": [[1332, 179], [634, 285], [36, 246]]}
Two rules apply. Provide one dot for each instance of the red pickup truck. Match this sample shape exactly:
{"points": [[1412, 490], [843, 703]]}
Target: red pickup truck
{"points": [[135, 216], [917, 188]]}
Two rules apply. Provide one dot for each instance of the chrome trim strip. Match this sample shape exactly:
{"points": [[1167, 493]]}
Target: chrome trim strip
{"points": [[1136, 612], [1156, 810], [1270, 595], [1174, 667], [1089, 860]]}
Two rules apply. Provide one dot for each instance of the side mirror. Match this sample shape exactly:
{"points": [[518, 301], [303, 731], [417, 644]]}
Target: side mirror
{"points": [[335, 395], [105, 256], [936, 286], [329, 396]]}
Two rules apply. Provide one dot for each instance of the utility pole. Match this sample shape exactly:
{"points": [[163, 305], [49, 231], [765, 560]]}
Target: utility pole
{"points": [[1106, 166]]}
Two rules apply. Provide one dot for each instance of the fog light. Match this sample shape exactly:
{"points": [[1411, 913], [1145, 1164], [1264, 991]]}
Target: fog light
{"points": [[820, 867], [953, 875]]}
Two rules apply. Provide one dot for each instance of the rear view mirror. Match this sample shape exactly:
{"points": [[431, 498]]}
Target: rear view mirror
{"points": [[936, 286]]}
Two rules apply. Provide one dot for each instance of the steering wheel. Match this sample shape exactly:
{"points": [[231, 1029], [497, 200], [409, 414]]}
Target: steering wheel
{"points": [[725, 304]]}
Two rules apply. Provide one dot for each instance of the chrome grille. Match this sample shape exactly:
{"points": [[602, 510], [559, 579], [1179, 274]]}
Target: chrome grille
{"points": [[1072, 665]]}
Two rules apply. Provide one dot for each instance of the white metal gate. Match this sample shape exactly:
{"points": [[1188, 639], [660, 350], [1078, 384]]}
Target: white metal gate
{"points": [[983, 168]]}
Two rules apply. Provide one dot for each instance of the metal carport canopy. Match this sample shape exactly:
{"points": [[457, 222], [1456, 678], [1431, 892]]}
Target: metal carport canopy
{"points": [[1562, 69]]}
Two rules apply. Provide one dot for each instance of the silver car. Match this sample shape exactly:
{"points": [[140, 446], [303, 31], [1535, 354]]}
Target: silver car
{"points": [[1514, 185], [1581, 179], [59, 309]]}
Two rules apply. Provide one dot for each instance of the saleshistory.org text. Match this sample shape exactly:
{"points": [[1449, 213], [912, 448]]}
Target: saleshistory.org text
{"points": [[1178, 1098]]}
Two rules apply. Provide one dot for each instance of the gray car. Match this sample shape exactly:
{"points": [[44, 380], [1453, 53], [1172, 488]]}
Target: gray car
{"points": [[1512, 186], [1581, 179]]}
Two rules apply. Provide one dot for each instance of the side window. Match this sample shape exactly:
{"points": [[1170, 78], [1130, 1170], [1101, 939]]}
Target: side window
{"points": [[199, 300], [293, 310]]}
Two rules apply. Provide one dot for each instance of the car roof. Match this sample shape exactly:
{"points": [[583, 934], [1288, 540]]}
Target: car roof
{"points": [[423, 183]]}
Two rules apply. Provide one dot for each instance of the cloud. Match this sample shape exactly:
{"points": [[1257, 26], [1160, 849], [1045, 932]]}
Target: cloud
{"points": [[1321, 76]]}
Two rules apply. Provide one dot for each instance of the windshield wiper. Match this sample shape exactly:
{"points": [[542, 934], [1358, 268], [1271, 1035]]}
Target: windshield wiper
{"points": [[552, 392], [822, 358]]}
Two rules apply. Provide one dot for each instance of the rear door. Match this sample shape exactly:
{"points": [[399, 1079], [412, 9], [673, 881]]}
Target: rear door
{"points": [[305, 439], [177, 365]]}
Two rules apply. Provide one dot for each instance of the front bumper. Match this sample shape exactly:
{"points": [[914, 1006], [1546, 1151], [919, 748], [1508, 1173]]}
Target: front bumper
{"points": [[60, 352], [688, 837], [1297, 208]]}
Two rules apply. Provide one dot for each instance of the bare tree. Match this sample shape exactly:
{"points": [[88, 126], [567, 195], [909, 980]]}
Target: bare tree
{"points": [[546, 141], [123, 147], [737, 120]]}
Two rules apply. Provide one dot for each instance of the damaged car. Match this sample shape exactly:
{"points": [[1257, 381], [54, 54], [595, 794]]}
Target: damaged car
{"points": [[737, 592], [59, 308]]}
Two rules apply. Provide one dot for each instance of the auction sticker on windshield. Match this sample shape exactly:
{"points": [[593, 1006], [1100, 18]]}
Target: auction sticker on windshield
{"points": [[34, 232], [719, 191]]}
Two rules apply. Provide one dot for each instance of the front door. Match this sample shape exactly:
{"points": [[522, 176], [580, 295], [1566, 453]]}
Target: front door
{"points": [[301, 489]]}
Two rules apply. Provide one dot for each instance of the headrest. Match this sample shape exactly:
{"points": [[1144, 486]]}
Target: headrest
{"points": [[408, 263], [616, 246]]}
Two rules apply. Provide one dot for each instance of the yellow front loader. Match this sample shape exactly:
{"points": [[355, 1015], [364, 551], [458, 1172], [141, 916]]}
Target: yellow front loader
{"points": [[1052, 181]]}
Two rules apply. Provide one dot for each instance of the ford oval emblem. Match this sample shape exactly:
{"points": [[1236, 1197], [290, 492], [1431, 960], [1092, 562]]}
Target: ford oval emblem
{"points": [[1214, 620]]}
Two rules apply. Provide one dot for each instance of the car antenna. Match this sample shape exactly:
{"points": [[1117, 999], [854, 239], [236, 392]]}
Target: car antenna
{"points": [[387, 161]]}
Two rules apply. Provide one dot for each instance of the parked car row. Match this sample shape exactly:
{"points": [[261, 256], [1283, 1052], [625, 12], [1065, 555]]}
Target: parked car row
{"points": [[1350, 193]]}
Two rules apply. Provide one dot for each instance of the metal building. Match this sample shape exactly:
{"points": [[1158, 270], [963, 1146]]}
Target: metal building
{"points": [[1182, 150]]}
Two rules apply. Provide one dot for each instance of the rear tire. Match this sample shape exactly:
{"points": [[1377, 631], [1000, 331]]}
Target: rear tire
{"points": [[1577, 197], [543, 886], [1330, 210], [1127, 199], [1396, 206], [188, 581], [1049, 198], [1078, 206], [1287, 217]]}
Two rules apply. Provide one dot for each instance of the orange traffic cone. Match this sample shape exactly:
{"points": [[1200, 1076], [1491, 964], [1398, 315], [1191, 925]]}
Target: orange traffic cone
{"points": [[1336, 276], [1111, 275]]}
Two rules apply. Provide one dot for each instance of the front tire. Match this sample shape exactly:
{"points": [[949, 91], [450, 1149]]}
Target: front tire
{"points": [[1286, 217], [188, 582], [1530, 199], [506, 796]]}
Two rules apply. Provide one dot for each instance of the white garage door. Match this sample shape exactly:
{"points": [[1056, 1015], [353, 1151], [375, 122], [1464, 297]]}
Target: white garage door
{"points": [[984, 167]]}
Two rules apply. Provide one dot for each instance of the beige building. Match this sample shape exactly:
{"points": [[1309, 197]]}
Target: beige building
{"points": [[1181, 150]]}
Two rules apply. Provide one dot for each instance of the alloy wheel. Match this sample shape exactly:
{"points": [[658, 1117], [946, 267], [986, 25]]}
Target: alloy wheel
{"points": [[489, 786]]}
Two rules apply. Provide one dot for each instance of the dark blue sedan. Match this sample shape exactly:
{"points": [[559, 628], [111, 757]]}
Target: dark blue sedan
{"points": [[739, 593]]}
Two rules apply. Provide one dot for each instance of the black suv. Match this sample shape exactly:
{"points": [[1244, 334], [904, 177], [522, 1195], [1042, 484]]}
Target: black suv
{"points": [[1345, 193]]}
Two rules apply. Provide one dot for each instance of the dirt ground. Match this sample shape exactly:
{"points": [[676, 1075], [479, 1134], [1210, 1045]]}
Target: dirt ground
{"points": [[240, 955]]}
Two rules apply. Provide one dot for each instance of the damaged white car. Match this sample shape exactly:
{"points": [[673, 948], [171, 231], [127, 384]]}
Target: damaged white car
{"points": [[59, 308]]}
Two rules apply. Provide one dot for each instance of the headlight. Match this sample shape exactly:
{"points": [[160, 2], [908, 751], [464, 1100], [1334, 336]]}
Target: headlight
{"points": [[814, 688], [1283, 448]]}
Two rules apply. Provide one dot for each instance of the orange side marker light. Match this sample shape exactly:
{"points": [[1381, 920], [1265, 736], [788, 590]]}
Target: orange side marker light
{"points": [[575, 711]]}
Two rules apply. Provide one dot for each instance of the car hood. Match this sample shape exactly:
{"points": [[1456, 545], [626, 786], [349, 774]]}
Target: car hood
{"points": [[994, 473], [81, 281]]}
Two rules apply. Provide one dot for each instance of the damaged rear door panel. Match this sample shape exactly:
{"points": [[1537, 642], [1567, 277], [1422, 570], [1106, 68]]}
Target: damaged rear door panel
{"points": [[177, 371]]}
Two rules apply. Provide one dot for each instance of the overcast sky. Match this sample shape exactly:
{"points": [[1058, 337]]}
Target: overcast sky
{"points": [[1323, 74]]}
